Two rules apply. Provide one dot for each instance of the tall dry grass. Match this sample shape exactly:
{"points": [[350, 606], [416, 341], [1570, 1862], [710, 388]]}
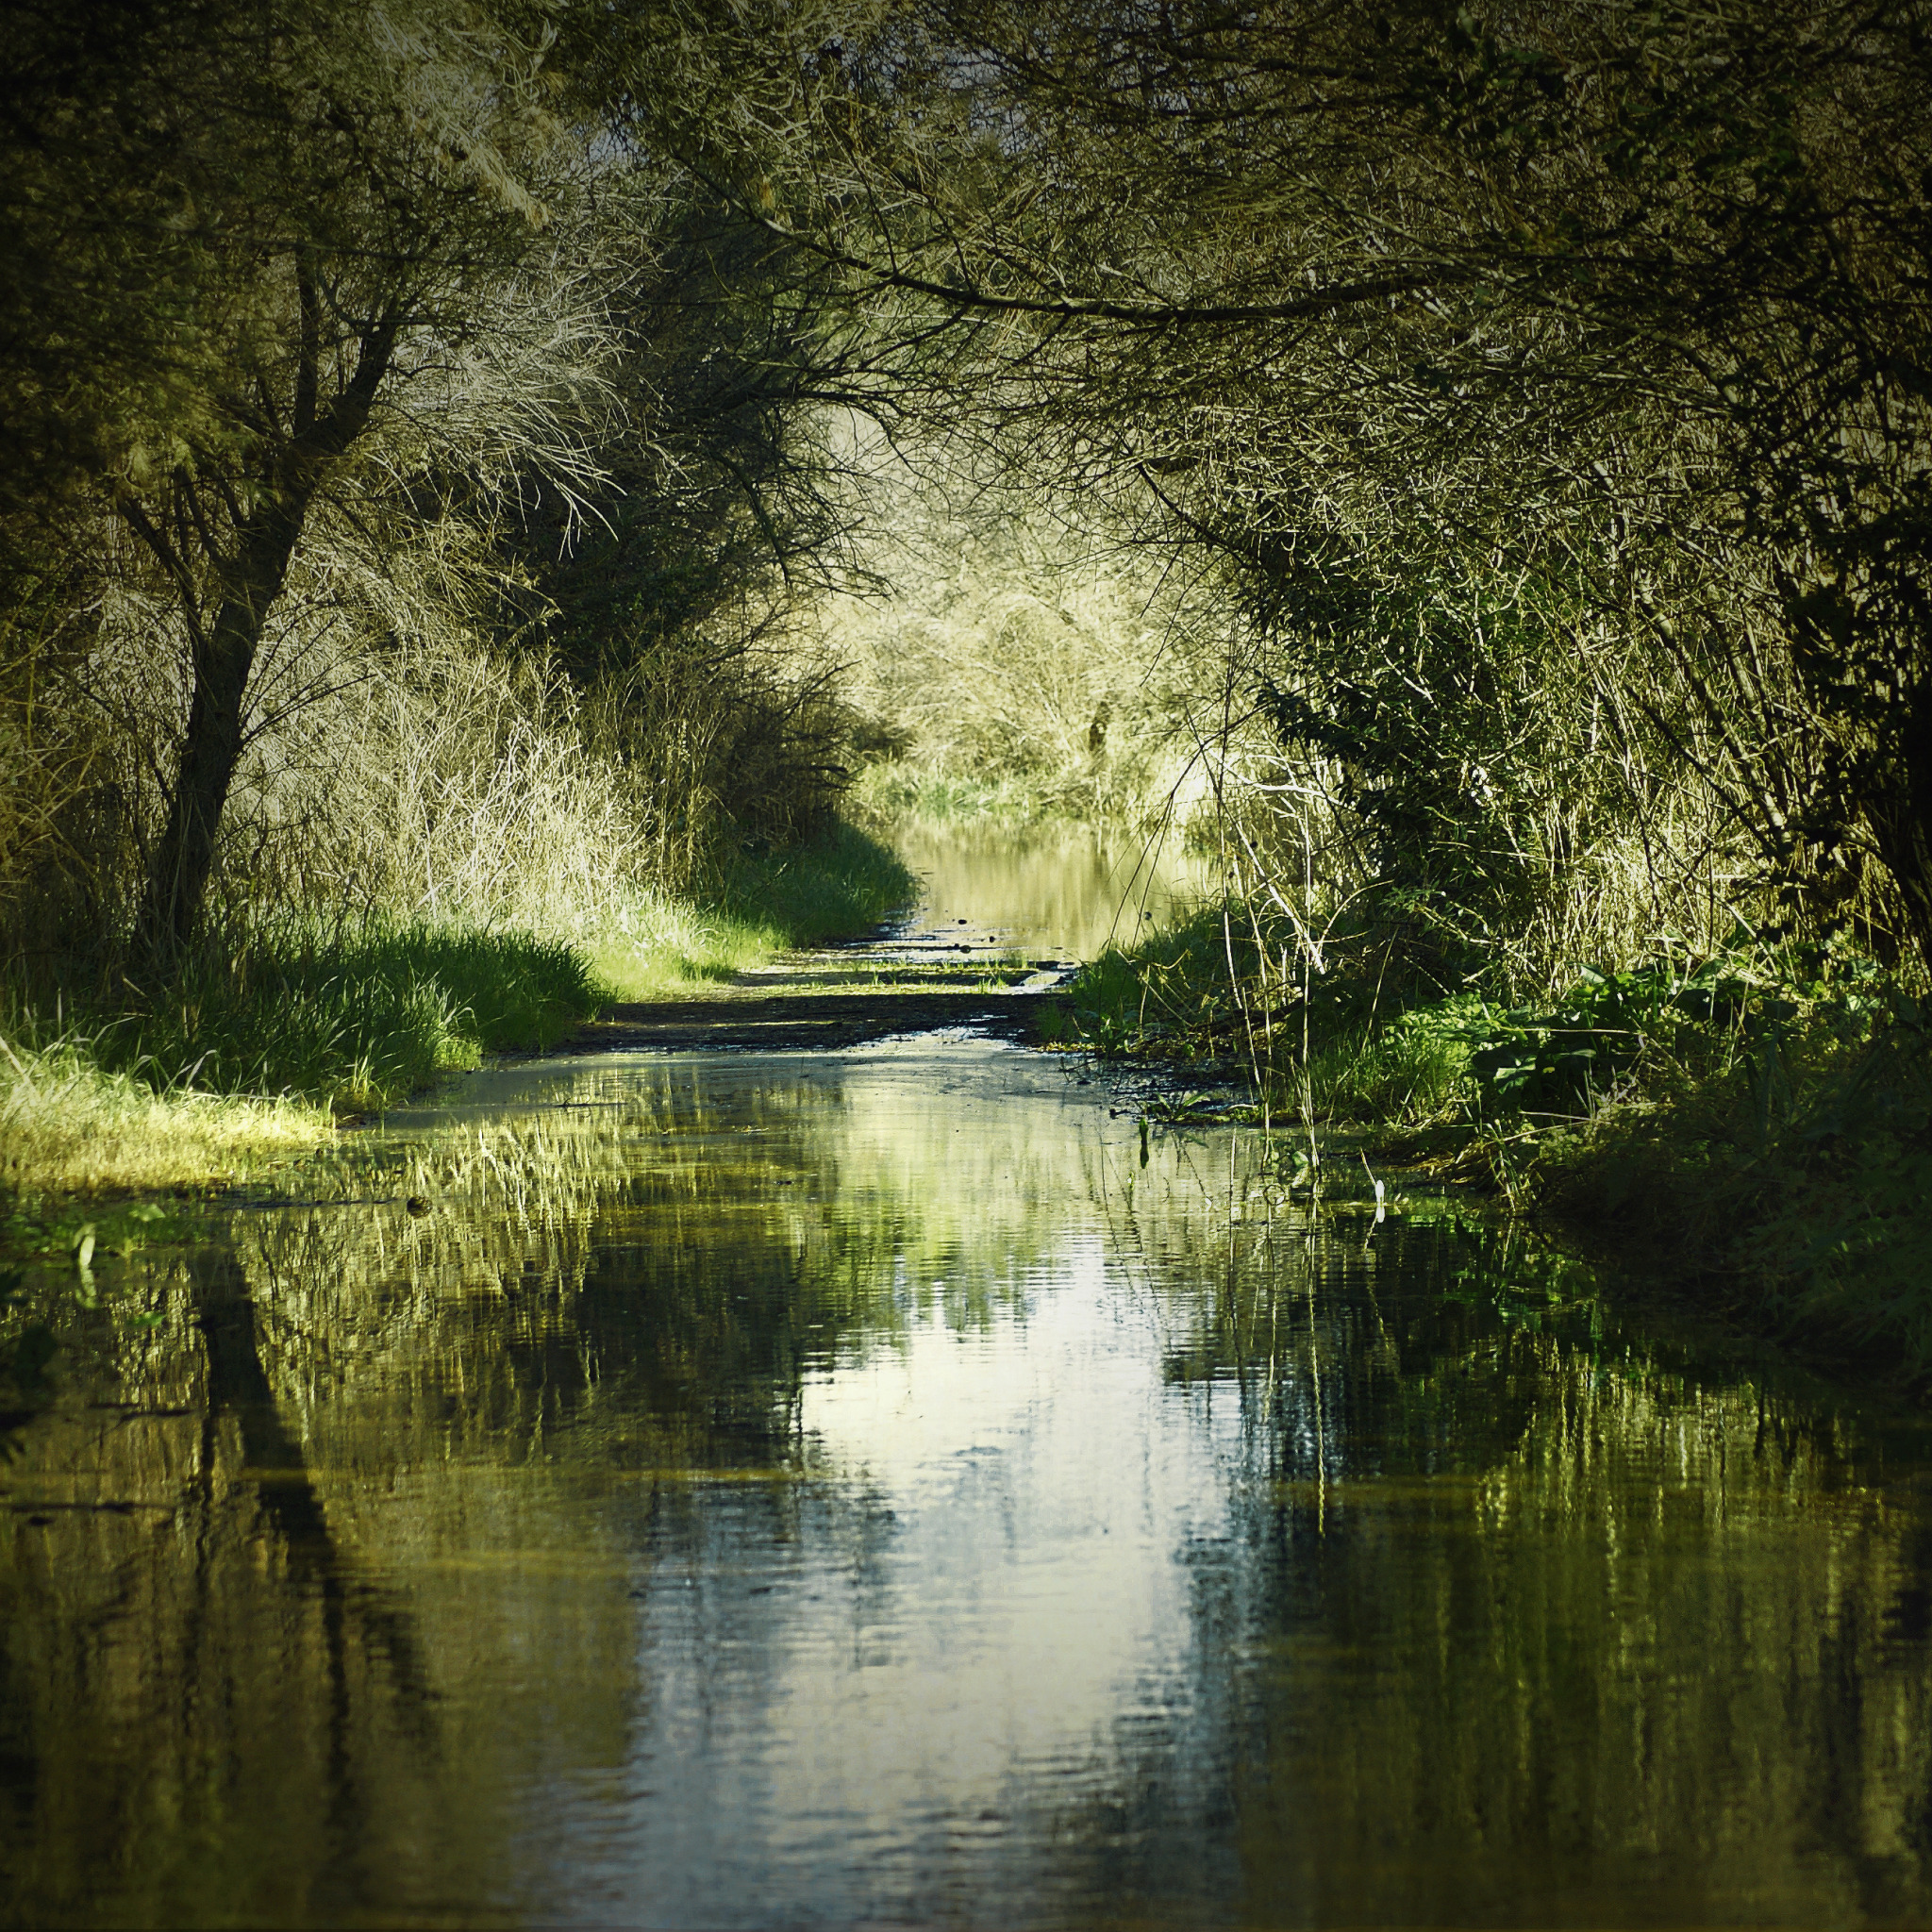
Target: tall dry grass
{"points": [[408, 760]]}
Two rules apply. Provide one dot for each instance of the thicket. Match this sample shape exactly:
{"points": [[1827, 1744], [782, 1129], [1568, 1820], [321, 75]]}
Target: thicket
{"points": [[1511, 420], [1019, 666], [412, 476], [1549, 381]]}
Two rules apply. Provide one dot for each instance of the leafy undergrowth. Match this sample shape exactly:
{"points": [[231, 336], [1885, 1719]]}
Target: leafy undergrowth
{"points": [[1787, 1160], [1756, 1127]]}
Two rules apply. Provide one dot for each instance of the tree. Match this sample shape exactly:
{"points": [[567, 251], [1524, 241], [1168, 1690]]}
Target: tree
{"points": [[307, 260], [1633, 296]]}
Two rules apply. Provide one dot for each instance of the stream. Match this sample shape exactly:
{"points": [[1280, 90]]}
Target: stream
{"points": [[743, 1488]]}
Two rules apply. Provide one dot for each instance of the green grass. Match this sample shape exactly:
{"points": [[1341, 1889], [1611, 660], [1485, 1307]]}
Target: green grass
{"points": [[69, 1126], [1786, 1159], [245, 1060], [1410, 1068], [1167, 997], [760, 904], [355, 1018], [842, 883]]}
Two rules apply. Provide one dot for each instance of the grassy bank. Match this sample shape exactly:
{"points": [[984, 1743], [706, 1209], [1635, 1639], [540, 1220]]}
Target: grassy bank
{"points": [[758, 902], [248, 1056], [1756, 1127]]}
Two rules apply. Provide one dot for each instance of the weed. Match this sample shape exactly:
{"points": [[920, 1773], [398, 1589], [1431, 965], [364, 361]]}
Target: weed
{"points": [[1760, 1120]]}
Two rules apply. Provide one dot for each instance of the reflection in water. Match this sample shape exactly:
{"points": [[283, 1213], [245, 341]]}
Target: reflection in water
{"points": [[1046, 892], [811, 1490]]}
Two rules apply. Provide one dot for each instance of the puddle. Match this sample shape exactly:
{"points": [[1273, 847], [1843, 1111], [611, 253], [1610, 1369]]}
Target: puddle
{"points": [[845, 1488], [851, 1488], [1063, 895]]}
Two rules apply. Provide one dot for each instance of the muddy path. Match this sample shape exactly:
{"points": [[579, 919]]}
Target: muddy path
{"points": [[917, 977]]}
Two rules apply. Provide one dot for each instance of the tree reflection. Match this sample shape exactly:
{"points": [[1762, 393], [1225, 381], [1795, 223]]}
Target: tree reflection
{"points": [[404, 1542]]}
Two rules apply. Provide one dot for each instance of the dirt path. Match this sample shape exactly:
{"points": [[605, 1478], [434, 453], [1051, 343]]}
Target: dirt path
{"points": [[917, 979]]}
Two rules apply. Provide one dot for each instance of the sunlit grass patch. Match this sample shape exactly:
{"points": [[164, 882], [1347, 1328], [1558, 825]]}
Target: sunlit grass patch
{"points": [[70, 1126], [659, 946], [243, 1055], [356, 1018], [841, 883], [763, 902]]}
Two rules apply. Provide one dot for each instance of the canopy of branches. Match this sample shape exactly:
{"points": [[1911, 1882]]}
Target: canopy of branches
{"points": [[1548, 381]]}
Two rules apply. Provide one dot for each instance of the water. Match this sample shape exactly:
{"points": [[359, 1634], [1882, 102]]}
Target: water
{"points": [[1054, 892], [845, 1488]]}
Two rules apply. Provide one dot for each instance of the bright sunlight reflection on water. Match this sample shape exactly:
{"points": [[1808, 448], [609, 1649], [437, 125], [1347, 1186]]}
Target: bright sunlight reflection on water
{"points": [[823, 1489]]}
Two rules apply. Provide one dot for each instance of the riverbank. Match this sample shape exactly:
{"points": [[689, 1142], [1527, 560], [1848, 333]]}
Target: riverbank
{"points": [[1754, 1131], [260, 1046]]}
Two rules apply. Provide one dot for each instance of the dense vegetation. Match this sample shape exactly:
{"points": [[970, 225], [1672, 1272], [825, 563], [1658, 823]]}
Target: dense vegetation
{"points": [[410, 475], [1543, 392], [1473, 460]]}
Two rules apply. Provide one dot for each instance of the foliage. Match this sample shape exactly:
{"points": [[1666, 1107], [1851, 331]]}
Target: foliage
{"points": [[1550, 381], [1760, 1120], [1791, 1165], [1020, 667], [346, 335]]}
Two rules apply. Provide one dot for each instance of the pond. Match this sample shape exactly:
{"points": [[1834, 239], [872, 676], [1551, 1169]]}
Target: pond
{"points": [[824, 1489]]}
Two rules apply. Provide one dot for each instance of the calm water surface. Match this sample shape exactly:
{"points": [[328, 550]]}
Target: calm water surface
{"points": [[854, 1488], [1053, 893]]}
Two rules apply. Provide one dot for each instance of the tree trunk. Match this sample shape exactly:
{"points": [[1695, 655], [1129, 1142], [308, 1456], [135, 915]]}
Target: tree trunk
{"points": [[184, 860], [249, 582]]}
